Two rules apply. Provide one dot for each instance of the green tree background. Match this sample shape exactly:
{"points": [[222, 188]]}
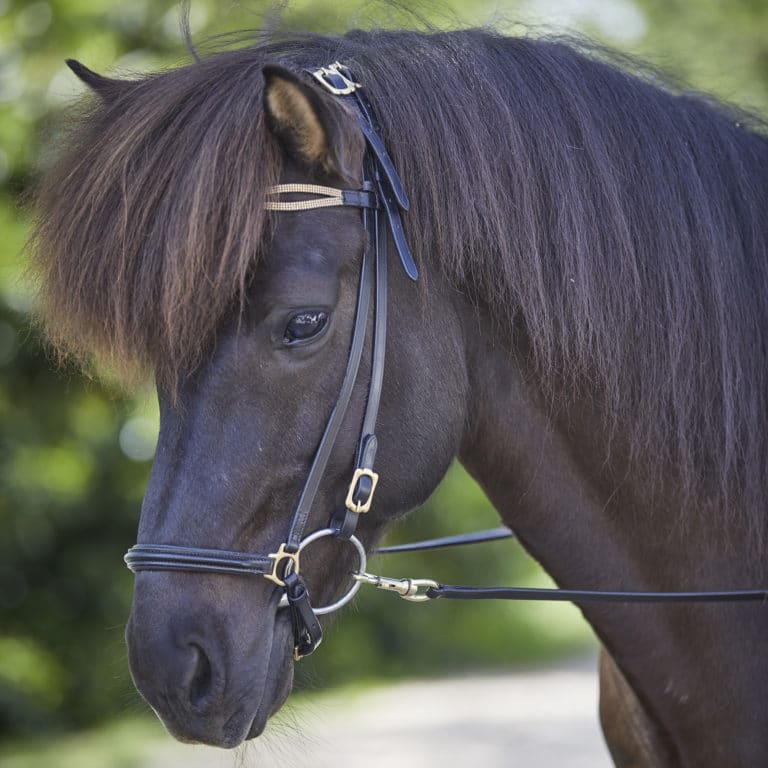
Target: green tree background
{"points": [[75, 454]]}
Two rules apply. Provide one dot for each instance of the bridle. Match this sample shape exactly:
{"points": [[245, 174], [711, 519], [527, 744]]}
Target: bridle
{"points": [[381, 198]]}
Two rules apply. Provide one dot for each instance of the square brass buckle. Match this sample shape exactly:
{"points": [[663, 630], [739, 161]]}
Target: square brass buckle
{"points": [[350, 503], [278, 557], [334, 80]]}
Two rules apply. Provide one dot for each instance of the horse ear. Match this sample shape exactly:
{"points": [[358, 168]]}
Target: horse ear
{"points": [[105, 87], [306, 124]]}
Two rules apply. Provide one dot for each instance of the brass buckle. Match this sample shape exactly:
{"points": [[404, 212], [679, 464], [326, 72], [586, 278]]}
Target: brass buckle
{"points": [[278, 557], [350, 503], [334, 70]]}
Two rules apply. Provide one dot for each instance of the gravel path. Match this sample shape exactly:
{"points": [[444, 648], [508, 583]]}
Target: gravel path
{"points": [[536, 719]]}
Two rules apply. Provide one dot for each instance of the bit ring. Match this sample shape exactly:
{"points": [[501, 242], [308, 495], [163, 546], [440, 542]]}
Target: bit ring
{"points": [[347, 596]]}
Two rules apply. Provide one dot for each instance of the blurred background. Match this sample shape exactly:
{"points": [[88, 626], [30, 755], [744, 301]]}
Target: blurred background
{"points": [[75, 454]]}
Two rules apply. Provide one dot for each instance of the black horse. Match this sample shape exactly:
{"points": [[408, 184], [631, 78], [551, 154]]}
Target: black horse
{"points": [[587, 336]]}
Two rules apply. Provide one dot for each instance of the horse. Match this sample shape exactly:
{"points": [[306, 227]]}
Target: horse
{"points": [[587, 336]]}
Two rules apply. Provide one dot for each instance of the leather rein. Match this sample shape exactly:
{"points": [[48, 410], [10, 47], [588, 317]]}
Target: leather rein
{"points": [[381, 199]]}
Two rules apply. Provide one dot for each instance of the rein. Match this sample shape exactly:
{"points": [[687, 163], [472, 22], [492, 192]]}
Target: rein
{"points": [[381, 199], [420, 590]]}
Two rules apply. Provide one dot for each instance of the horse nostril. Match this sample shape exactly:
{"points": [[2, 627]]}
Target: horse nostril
{"points": [[202, 677]]}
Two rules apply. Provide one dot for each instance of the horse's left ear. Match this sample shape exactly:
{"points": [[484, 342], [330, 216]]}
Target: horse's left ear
{"points": [[107, 88], [309, 126]]}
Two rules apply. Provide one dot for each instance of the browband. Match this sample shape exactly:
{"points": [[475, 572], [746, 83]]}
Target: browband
{"points": [[325, 197]]}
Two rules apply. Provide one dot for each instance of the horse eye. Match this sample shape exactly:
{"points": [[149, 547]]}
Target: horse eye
{"points": [[304, 326]]}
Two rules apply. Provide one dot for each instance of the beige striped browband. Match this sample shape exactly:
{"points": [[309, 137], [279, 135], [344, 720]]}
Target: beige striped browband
{"points": [[325, 197]]}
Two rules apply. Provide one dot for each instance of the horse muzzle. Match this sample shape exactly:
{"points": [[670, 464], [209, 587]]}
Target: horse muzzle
{"points": [[211, 665]]}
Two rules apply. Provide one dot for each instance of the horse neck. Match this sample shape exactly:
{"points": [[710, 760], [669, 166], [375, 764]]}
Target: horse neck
{"points": [[539, 468], [592, 524], [571, 489]]}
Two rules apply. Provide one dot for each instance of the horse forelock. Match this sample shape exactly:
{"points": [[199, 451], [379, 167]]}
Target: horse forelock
{"points": [[621, 223], [154, 218]]}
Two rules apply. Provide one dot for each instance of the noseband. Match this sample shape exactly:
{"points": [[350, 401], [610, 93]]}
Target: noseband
{"points": [[381, 199]]}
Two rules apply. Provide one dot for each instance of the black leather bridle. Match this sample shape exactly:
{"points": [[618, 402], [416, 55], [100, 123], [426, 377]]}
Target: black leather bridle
{"points": [[381, 199]]}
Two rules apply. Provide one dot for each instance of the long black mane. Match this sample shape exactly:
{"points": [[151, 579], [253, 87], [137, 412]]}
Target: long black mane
{"points": [[619, 222]]}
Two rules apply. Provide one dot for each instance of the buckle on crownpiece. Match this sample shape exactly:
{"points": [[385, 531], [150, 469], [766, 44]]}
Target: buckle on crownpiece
{"points": [[356, 506], [278, 557], [334, 80]]}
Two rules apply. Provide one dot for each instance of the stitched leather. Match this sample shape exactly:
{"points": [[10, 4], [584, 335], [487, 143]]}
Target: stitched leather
{"points": [[477, 537], [591, 596], [166, 557], [333, 425], [391, 191], [359, 198], [307, 632], [366, 454], [345, 520]]}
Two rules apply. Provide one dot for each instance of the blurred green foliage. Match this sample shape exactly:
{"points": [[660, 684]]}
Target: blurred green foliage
{"points": [[74, 453]]}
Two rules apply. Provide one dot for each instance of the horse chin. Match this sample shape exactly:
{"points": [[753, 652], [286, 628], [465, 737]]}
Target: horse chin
{"points": [[278, 684], [259, 722]]}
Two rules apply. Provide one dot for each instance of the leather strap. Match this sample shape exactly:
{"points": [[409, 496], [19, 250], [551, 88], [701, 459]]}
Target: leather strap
{"points": [[478, 537], [307, 632], [360, 198], [366, 454], [452, 592], [333, 425], [345, 520], [167, 557], [321, 197], [372, 132], [390, 187]]}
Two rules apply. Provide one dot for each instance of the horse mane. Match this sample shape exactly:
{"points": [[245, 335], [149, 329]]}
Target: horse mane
{"points": [[619, 220]]}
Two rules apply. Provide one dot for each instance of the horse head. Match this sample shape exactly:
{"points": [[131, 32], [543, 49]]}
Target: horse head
{"points": [[213, 653]]}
